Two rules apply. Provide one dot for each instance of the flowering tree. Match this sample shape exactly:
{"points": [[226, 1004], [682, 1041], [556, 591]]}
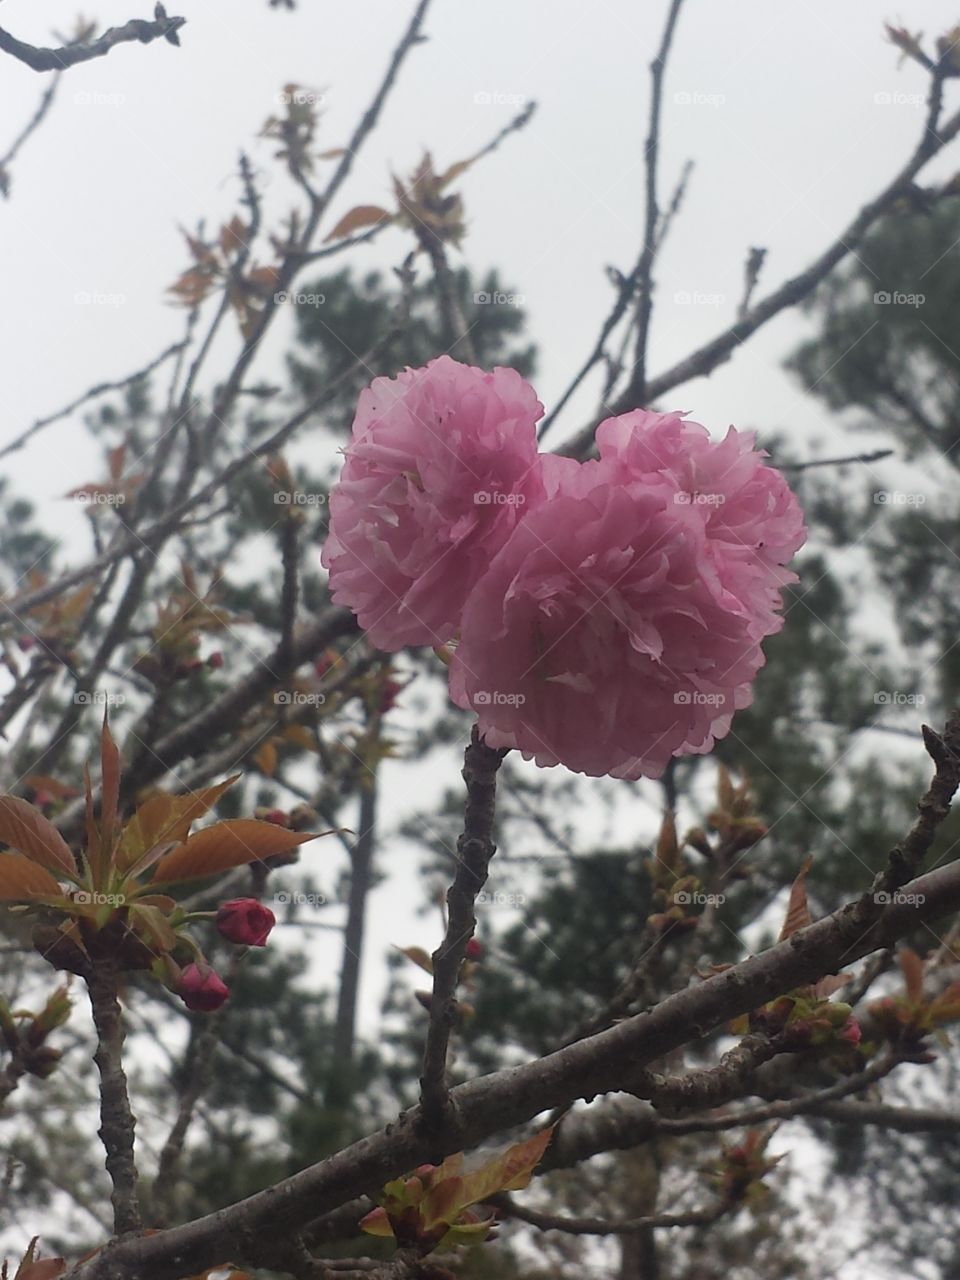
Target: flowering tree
{"points": [[598, 611]]}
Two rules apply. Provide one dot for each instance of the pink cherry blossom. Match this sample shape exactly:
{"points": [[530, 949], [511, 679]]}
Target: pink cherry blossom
{"points": [[601, 637], [753, 521], [442, 464]]}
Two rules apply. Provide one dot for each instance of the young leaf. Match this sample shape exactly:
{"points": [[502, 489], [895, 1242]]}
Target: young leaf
{"points": [[109, 784], [364, 215], [26, 829], [912, 968], [165, 819], [798, 911], [376, 1223], [226, 845], [418, 956], [511, 1171], [22, 880]]}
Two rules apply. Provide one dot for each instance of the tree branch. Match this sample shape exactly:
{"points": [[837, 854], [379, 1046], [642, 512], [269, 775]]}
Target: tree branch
{"points": [[704, 360], [475, 848], [493, 1103], [117, 1122], [44, 59]]}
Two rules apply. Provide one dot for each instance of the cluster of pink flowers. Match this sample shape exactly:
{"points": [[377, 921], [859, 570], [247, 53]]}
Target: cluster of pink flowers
{"points": [[608, 614]]}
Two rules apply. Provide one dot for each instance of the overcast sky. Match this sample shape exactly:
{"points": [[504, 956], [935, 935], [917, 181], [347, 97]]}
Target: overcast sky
{"points": [[777, 105]]}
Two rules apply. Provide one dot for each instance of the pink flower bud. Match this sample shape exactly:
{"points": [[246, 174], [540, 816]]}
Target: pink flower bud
{"points": [[245, 920], [851, 1031], [474, 949], [202, 990], [215, 660]]}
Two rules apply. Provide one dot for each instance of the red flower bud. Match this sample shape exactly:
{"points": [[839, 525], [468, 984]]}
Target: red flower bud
{"points": [[388, 695], [245, 920], [43, 799], [215, 660], [474, 949], [276, 816], [202, 990], [26, 642]]}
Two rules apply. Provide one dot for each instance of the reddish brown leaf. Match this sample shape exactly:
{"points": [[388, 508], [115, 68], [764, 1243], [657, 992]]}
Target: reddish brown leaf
{"points": [[21, 880], [912, 968], [164, 819], [26, 829], [364, 215], [418, 956], [228, 844], [798, 911], [109, 783]]}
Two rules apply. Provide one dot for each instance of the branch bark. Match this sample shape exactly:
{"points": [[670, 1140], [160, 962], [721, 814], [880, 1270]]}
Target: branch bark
{"points": [[39, 58], [475, 848], [117, 1122]]}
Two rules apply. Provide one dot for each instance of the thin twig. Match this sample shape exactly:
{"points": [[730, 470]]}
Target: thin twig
{"points": [[638, 380], [475, 848], [102, 388]]}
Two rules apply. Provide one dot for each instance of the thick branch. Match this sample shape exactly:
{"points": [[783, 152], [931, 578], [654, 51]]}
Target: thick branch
{"points": [[43, 59], [117, 1122]]}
